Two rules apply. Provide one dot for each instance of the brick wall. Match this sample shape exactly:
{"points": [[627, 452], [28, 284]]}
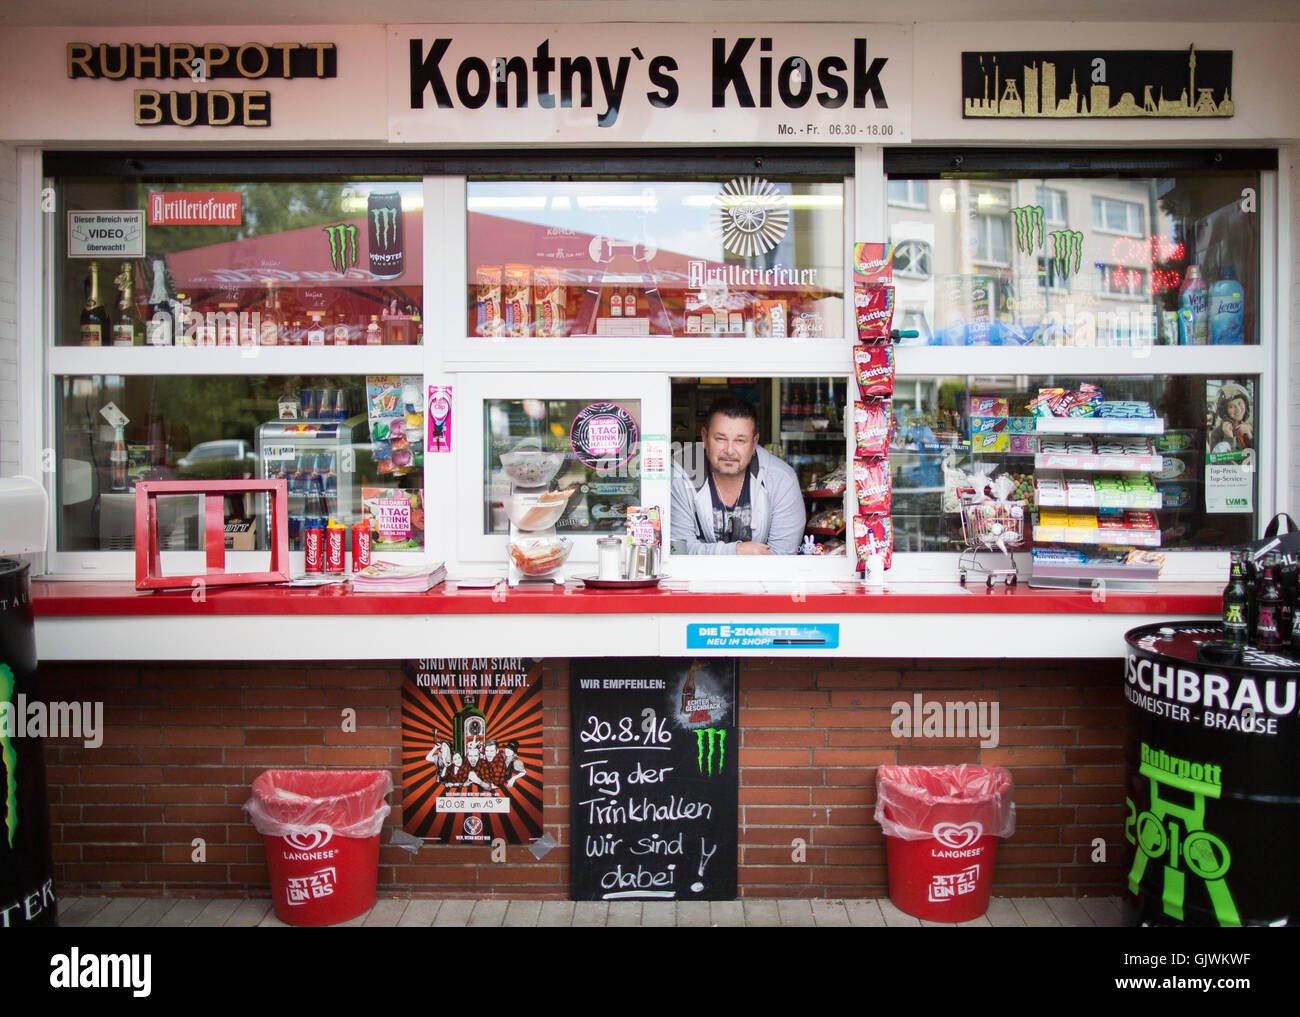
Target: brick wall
{"points": [[182, 744]]}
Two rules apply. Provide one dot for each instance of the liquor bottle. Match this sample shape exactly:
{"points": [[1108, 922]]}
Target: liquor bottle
{"points": [[1236, 602], [269, 328], [616, 304], [1268, 631], [159, 330], [340, 331], [117, 460], [227, 320], [629, 304], [295, 333], [128, 330], [316, 333], [94, 317], [186, 322], [374, 334], [468, 727]]}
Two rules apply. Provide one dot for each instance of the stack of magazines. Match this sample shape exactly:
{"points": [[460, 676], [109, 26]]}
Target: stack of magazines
{"points": [[389, 577]]}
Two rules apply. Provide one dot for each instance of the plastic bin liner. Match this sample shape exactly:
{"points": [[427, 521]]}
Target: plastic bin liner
{"points": [[911, 801], [297, 803]]}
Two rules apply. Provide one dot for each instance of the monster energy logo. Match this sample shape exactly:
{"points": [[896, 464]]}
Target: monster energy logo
{"points": [[10, 757], [1028, 220], [343, 245], [705, 759], [1067, 250], [385, 220]]}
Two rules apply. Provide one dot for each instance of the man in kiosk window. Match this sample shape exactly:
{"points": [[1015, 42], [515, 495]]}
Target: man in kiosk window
{"points": [[748, 501]]}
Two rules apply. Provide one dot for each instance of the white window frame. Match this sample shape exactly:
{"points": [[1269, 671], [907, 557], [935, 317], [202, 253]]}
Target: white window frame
{"points": [[1099, 203]]}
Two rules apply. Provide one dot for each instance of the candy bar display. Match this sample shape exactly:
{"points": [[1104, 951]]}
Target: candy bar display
{"points": [[875, 370], [874, 306], [871, 479], [872, 421]]}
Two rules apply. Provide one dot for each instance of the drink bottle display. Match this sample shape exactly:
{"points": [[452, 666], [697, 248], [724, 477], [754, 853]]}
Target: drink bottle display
{"points": [[160, 329], [128, 330], [94, 316], [117, 461], [1227, 310], [1236, 603], [1268, 631], [1193, 304]]}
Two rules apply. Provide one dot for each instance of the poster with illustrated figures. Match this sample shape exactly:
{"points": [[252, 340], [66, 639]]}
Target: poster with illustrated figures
{"points": [[472, 750], [654, 779]]}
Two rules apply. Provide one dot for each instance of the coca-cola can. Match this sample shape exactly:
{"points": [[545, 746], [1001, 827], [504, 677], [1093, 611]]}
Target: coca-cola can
{"points": [[314, 546], [334, 548], [360, 547]]}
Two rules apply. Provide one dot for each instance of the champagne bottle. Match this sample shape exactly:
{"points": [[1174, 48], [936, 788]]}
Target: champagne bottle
{"points": [[94, 316], [269, 330], [160, 329], [128, 330]]}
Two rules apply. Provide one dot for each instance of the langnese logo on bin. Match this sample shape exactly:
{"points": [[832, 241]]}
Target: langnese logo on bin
{"points": [[951, 885], [306, 843], [958, 835], [314, 886]]}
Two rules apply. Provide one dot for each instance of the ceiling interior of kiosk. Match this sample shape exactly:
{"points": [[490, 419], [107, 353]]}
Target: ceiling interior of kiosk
{"points": [[347, 12]]}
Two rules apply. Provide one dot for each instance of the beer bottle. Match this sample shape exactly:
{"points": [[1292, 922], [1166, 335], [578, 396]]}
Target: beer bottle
{"points": [[1235, 604], [1268, 616]]}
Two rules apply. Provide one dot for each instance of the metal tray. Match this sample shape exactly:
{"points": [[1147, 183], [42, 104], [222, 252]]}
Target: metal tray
{"points": [[592, 583]]}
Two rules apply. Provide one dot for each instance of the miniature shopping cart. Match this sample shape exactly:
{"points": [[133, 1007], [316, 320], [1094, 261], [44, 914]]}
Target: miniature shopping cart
{"points": [[990, 526]]}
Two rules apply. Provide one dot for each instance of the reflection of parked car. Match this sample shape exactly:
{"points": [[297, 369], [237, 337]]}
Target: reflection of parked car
{"points": [[228, 457]]}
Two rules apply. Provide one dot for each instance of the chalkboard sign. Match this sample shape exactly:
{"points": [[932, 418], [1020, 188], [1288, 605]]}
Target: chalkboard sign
{"points": [[654, 779]]}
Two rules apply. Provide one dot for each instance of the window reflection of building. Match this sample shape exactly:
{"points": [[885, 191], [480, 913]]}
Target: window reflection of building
{"points": [[1111, 215], [991, 242]]}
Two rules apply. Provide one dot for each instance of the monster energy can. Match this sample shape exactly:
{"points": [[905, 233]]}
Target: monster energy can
{"points": [[26, 881], [384, 221], [1212, 813]]}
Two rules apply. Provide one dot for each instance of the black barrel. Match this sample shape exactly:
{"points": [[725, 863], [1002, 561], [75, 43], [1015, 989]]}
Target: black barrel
{"points": [[1213, 807], [26, 873]]}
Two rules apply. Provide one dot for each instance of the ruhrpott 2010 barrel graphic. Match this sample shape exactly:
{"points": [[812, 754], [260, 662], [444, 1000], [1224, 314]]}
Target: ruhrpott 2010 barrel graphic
{"points": [[26, 883], [1213, 806]]}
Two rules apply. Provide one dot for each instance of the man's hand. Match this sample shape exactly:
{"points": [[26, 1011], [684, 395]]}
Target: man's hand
{"points": [[752, 547]]}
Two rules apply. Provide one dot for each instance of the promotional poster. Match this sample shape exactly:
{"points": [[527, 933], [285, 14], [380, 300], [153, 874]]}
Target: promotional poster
{"points": [[472, 750]]}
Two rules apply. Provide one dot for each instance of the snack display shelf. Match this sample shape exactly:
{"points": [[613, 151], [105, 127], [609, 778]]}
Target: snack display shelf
{"points": [[824, 531], [824, 493], [1098, 462], [1100, 499], [1120, 537], [1099, 425]]}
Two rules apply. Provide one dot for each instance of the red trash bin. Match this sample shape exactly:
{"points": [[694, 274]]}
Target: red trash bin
{"points": [[941, 827], [322, 840]]}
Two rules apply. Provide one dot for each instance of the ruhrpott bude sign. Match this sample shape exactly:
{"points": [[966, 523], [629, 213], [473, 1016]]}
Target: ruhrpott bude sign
{"points": [[681, 84], [1097, 83]]}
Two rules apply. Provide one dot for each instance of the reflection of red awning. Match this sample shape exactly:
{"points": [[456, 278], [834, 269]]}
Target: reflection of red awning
{"points": [[496, 241], [298, 258]]}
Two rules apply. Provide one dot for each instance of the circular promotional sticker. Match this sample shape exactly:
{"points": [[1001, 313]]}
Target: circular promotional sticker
{"points": [[603, 436]]}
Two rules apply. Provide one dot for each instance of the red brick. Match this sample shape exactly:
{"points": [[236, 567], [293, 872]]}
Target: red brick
{"points": [[131, 853], [793, 875], [115, 813], [104, 833], [186, 795], [121, 774], [182, 717], [751, 718], [761, 699], [872, 699], [1089, 795], [99, 872], [348, 757], [758, 776], [1047, 716], [1021, 757], [1037, 795], [780, 856], [865, 736], [202, 736], [219, 775], [851, 757], [1101, 736], [1037, 697], [782, 738], [1043, 815], [75, 793], [863, 857], [772, 757], [1099, 774], [858, 679], [267, 758], [172, 755], [837, 796], [252, 697], [938, 757], [1040, 736], [357, 698], [178, 814], [795, 816], [1086, 756], [775, 796], [284, 736], [858, 776]]}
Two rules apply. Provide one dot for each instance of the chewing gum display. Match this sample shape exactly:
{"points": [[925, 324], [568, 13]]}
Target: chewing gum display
{"points": [[517, 299], [875, 369], [871, 479], [872, 422], [875, 312], [875, 526], [1057, 402], [488, 283]]}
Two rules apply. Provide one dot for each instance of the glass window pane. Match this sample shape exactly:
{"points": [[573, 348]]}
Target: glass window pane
{"points": [[954, 429], [741, 257], [313, 432], [1160, 260], [536, 449], [324, 262]]}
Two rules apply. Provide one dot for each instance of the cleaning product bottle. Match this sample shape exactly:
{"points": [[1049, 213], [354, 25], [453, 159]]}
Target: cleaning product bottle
{"points": [[1227, 310], [1193, 303]]}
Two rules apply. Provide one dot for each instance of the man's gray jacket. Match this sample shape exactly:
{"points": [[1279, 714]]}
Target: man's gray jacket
{"points": [[777, 515]]}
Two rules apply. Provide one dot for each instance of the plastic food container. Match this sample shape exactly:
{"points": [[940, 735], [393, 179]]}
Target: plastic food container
{"points": [[531, 467], [539, 557], [530, 513]]}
